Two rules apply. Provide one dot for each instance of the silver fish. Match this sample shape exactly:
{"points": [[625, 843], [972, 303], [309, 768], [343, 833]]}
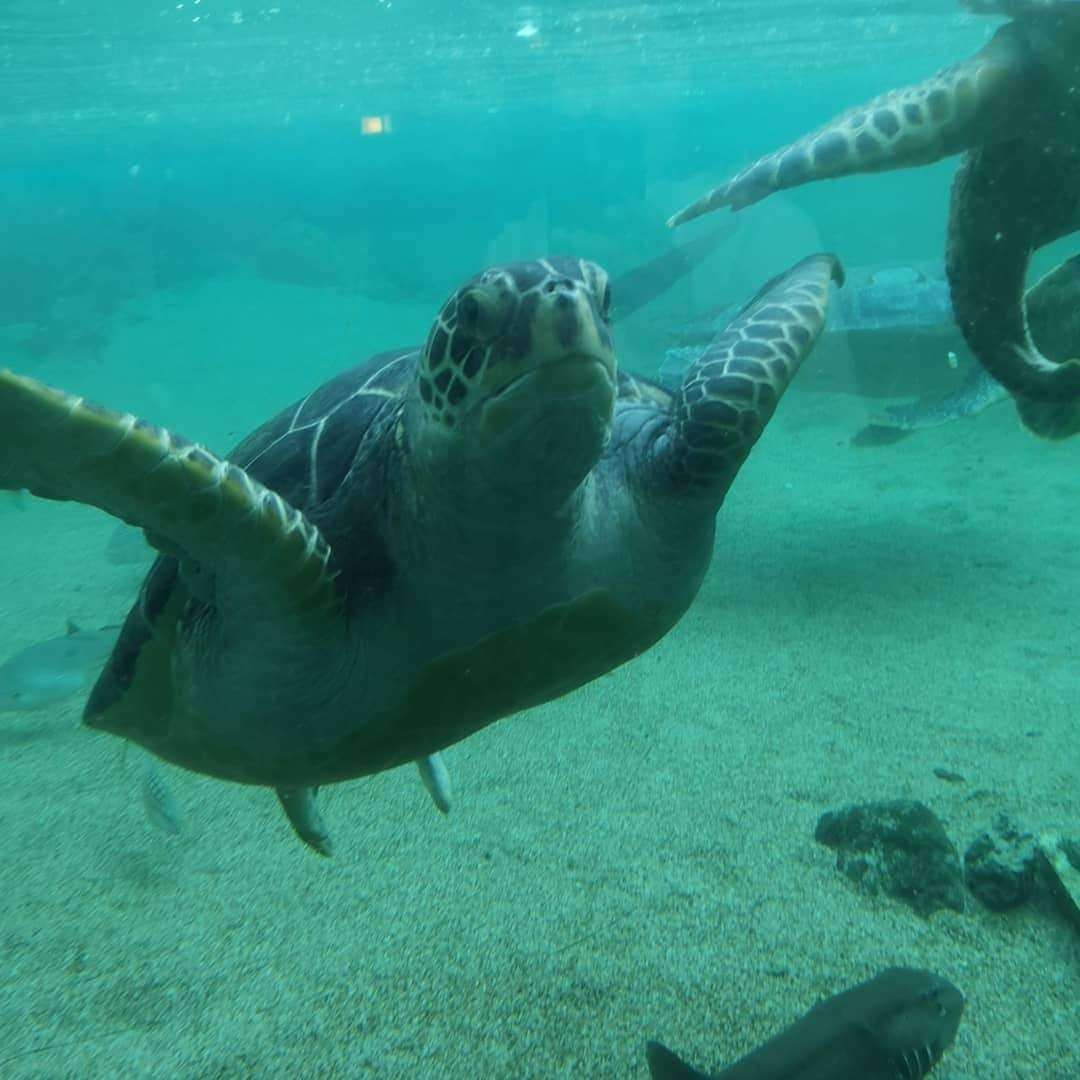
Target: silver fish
{"points": [[127, 546], [162, 809], [51, 671]]}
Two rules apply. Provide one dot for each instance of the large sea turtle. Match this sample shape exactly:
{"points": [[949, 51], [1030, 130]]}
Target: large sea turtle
{"points": [[1013, 110], [428, 542]]}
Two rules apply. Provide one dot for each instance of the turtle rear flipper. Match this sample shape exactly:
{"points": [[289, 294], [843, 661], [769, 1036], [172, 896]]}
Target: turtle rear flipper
{"points": [[303, 813], [916, 125], [730, 392], [987, 267], [1053, 319], [207, 511]]}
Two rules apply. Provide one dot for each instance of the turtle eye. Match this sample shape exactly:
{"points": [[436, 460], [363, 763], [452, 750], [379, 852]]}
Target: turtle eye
{"points": [[605, 301]]}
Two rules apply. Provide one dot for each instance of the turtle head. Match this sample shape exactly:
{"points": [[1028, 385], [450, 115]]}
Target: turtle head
{"points": [[516, 383]]}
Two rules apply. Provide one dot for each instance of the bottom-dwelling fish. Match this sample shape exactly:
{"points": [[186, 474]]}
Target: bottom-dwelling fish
{"points": [[895, 1026]]}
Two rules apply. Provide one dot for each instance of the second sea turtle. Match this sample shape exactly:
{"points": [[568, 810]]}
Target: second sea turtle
{"points": [[1013, 112]]}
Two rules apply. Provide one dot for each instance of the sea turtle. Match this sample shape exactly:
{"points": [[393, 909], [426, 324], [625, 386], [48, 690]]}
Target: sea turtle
{"points": [[430, 541], [1013, 110]]}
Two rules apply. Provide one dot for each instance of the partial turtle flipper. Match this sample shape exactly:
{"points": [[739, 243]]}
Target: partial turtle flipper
{"points": [[209, 513], [436, 780], [916, 125], [303, 813], [1006, 204], [1049, 419], [206, 511], [730, 392]]}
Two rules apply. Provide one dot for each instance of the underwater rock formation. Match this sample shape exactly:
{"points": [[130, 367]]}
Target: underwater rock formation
{"points": [[999, 866], [899, 848]]}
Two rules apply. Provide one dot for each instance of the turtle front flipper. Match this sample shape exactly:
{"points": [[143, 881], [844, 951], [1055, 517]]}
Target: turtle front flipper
{"points": [[949, 112], [1008, 201], [730, 392], [208, 512]]}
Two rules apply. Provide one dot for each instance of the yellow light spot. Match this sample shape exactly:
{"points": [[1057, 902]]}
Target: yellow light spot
{"points": [[375, 125]]}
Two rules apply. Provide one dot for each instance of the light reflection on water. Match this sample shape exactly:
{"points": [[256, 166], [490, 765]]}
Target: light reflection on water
{"points": [[71, 67]]}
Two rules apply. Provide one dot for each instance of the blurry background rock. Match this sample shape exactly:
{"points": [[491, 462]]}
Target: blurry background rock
{"points": [[297, 252]]}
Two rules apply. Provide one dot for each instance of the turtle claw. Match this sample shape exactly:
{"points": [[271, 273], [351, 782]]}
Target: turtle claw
{"points": [[436, 780], [303, 814]]}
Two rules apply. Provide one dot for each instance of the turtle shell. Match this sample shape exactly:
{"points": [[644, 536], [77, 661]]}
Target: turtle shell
{"points": [[308, 454], [311, 455]]}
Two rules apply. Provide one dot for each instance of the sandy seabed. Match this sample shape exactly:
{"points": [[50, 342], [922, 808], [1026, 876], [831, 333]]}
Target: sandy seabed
{"points": [[634, 861]]}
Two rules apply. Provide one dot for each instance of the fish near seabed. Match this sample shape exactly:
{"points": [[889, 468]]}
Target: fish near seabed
{"points": [[127, 546], [895, 1026], [50, 671]]}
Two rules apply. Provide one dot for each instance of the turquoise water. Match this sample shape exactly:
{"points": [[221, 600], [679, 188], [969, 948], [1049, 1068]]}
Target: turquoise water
{"points": [[209, 208]]}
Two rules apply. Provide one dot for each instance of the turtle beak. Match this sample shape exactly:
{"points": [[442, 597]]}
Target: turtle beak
{"points": [[575, 383]]}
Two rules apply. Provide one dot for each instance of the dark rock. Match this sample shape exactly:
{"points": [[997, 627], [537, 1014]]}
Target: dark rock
{"points": [[999, 867], [899, 848]]}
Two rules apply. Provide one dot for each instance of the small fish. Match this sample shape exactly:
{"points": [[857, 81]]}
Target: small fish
{"points": [[50, 671], [895, 1026], [127, 546], [162, 809]]}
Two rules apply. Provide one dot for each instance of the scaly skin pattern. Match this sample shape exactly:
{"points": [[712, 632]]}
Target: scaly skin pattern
{"points": [[730, 392]]}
